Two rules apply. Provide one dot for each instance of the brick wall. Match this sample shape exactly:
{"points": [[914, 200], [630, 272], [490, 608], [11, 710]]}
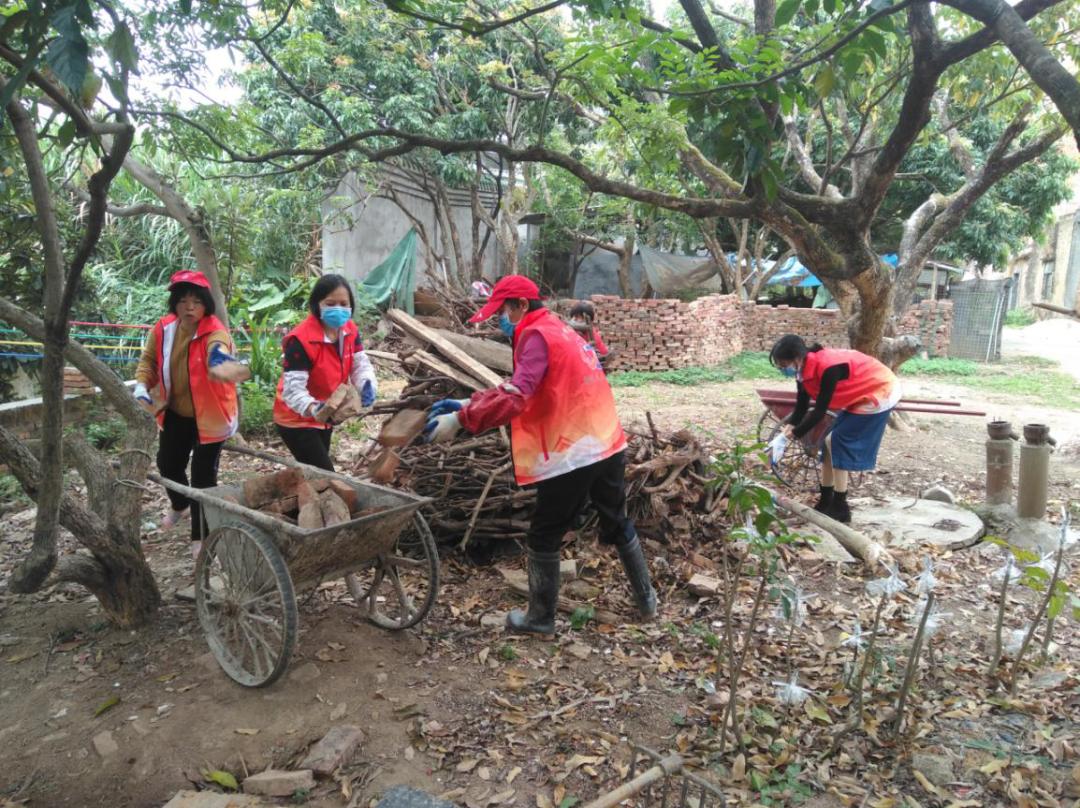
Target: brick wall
{"points": [[671, 334]]}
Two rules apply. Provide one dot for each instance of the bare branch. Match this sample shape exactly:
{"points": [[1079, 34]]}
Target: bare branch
{"points": [[474, 28]]}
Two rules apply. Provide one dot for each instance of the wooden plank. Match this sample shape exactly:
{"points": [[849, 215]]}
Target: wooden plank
{"points": [[383, 356], [453, 353], [440, 367], [1058, 310], [492, 354]]}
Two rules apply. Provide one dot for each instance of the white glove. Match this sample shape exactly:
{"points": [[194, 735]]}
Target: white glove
{"points": [[442, 428], [141, 393], [777, 447]]}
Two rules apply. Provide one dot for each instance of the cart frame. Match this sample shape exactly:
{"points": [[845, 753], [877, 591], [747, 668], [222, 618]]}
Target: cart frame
{"points": [[251, 567]]}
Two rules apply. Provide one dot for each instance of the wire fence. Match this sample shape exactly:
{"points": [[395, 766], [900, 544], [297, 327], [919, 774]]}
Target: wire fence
{"points": [[979, 307]]}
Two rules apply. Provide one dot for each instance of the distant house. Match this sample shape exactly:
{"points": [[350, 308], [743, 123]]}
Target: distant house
{"points": [[1050, 273], [361, 222]]}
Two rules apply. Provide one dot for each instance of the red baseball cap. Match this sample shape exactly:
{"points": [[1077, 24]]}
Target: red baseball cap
{"points": [[189, 276], [510, 287]]}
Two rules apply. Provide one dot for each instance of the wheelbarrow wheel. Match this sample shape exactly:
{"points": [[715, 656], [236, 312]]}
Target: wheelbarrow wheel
{"points": [[798, 468], [766, 426], [246, 604], [398, 588]]}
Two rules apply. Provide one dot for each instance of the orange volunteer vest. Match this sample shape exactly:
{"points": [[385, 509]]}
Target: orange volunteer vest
{"points": [[570, 421], [869, 382], [329, 369], [215, 402]]}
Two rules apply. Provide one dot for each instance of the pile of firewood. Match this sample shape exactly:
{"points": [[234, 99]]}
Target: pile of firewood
{"points": [[472, 479], [311, 504]]}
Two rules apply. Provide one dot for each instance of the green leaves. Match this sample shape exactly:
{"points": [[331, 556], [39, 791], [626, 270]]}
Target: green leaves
{"points": [[69, 54], [786, 11], [121, 47], [825, 81]]}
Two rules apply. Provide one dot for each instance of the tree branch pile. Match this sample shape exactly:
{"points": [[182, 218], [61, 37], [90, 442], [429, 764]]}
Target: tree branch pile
{"points": [[476, 500]]}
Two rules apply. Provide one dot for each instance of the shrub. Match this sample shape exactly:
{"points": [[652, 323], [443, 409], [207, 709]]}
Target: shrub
{"points": [[257, 408]]}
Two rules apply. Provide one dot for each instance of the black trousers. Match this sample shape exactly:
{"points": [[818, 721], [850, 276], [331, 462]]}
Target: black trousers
{"points": [[311, 446], [179, 442], [560, 500]]}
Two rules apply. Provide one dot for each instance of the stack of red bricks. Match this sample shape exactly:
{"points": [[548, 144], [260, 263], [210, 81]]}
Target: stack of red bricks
{"points": [[763, 325], [932, 321], [669, 334], [75, 382]]}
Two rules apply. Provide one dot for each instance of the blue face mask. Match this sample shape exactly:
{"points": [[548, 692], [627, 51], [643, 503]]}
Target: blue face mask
{"points": [[336, 316], [506, 326], [791, 373]]}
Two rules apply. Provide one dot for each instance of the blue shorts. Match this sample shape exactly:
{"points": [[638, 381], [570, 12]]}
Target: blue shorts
{"points": [[856, 440]]}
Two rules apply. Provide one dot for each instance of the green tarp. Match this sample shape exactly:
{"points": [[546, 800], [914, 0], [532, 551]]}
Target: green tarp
{"points": [[391, 284]]}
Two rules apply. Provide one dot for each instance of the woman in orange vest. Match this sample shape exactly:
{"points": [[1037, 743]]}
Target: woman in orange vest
{"points": [[565, 439], [582, 317], [187, 379], [862, 388], [321, 353]]}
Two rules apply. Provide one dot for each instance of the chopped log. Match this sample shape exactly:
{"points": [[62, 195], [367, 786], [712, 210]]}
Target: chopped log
{"points": [[436, 364], [334, 510], [471, 366], [283, 505], [853, 541], [261, 491], [337, 398], [403, 428], [491, 354], [311, 517], [350, 407], [346, 492], [382, 470], [306, 494]]}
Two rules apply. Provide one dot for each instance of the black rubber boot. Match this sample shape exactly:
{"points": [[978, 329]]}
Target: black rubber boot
{"points": [[637, 570], [543, 596], [838, 509], [825, 500]]}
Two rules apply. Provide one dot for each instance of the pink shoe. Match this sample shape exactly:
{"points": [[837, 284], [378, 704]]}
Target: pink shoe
{"points": [[172, 518]]}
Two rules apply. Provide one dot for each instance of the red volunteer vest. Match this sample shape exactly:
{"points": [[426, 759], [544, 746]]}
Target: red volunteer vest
{"points": [[869, 382], [215, 402], [328, 369], [570, 421]]}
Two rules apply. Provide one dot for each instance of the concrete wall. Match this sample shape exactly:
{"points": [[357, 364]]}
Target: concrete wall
{"points": [[361, 228]]}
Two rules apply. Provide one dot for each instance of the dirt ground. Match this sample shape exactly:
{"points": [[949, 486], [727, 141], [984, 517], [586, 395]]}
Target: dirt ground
{"points": [[461, 709]]}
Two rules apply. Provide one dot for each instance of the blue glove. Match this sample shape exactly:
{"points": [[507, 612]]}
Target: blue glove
{"points": [[447, 405], [219, 357], [367, 393]]}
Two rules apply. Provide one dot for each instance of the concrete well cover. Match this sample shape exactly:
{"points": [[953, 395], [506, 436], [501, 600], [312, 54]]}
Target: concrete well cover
{"points": [[911, 523]]}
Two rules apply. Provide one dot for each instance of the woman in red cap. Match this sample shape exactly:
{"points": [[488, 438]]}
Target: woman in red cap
{"points": [[565, 439], [187, 378], [321, 353]]}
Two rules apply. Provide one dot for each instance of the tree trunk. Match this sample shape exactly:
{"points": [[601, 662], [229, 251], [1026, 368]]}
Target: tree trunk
{"points": [[866, 329]]}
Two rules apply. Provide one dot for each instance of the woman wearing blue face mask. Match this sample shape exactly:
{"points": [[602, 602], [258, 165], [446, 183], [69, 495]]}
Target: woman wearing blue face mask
{"points": [[321, 353], [860, 388]]}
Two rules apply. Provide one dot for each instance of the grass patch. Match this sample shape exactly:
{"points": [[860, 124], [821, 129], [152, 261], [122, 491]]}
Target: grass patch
{"points": [[1032, 377], [1018, 318], [941, 366], [747, 365]]}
